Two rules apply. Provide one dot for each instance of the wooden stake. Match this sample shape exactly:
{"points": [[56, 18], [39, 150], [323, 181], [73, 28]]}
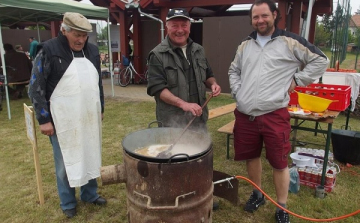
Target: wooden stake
{"points": [[31, 134]]}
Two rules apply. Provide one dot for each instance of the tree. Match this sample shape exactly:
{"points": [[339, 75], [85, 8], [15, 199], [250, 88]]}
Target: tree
{"points": [[35, 27], [328, 22], [103, 33], [351, 38], [329, 27], [321, 34], [340, 34]]}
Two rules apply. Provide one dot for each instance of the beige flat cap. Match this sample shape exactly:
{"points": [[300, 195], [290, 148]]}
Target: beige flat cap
{"points": [[77, 21]]}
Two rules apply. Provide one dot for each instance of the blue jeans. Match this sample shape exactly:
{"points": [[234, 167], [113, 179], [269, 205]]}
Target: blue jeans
{"points": [[66, 193]]}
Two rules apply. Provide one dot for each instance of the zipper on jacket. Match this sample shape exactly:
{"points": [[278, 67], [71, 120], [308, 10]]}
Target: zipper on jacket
{"points": [[260, 66], [258, 72]]}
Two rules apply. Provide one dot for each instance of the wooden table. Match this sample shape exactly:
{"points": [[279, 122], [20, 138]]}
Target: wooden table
{"points": [[328, 117]]}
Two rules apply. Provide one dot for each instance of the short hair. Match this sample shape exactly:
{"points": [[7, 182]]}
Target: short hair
{"points": [[272, 7], [66, 27], [8, 46], [31, 37]]}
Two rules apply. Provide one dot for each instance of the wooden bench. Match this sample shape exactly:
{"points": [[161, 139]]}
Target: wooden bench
{"points": [[223, 110], [228, 130], [2, 91], [17, 83]]}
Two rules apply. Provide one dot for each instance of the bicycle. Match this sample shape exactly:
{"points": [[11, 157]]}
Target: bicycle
{"points": [[128, 74]]}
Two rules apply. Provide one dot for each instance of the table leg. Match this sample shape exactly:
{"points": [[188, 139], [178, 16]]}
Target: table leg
{"points": [[227, 145], [316, 128], [327, 148], [348, 116]]}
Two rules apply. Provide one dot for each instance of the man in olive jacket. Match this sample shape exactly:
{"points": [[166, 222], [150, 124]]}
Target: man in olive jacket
{"points": [[178, 75]]}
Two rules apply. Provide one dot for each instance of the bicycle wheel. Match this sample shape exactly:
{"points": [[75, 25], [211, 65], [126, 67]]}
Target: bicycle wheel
{"points": [[145, 76], [125, 77], [142, 77]]}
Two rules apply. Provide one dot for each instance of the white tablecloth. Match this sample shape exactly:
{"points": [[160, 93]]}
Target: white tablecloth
{"points": [[340, 78]]}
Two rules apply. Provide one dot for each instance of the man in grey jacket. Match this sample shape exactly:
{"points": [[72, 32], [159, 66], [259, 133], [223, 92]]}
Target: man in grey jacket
{"points": [[178, 75], [267, 66]]}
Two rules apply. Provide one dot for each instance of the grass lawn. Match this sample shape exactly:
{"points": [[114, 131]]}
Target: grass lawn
{"points": [[19, 198], [348, 63]]}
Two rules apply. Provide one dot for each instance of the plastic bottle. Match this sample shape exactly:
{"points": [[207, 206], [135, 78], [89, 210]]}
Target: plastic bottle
{"points": [[294, 186]]}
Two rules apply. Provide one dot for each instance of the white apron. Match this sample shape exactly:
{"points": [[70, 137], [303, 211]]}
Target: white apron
{"points": [[76, 111]]}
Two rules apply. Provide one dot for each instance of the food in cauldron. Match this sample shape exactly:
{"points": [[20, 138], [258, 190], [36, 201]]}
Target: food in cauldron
{"points": [[154, 150]]}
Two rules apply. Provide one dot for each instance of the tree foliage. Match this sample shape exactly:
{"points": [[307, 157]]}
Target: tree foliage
{"points": [[322, 35], [336, 29], [351, 38], [35, 27], [328, 22], [102, 35]]}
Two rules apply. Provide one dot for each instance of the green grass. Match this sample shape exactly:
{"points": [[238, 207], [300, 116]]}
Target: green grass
{"points": [[19, 198], [348, 63]]}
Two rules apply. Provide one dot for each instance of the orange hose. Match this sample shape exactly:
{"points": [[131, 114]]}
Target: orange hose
{"points": [[297, 215]]}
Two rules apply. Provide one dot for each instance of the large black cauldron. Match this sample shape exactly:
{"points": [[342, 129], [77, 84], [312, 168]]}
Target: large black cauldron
{"points": [[172, 190]]}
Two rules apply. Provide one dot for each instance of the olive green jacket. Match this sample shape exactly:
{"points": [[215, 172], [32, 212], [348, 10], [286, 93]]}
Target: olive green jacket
{"points": [[165, 71]]}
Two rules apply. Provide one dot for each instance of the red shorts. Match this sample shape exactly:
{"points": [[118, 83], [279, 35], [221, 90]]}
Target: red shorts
{"points": [[273, 129]]}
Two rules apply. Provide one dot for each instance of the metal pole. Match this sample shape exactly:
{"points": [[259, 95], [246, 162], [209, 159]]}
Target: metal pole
{"points": [[308, 19], [154, 18], [4, 72], [110, 59], [38, 31]]}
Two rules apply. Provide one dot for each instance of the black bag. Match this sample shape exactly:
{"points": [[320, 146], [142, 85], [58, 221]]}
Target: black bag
{"points": [[346, 146]]}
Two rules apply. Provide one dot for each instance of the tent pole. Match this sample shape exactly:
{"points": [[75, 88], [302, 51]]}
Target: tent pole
{"points": [[38, 31], [4, 72], [110, 59]]}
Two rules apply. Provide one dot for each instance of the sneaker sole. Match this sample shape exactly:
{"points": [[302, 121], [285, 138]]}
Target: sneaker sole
{"points": [[253, 210]]}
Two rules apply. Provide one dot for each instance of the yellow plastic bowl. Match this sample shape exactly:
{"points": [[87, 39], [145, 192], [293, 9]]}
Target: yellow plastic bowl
{"points": [[313, 103]]}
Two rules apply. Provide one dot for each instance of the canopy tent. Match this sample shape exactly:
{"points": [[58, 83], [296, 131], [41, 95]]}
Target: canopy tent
{"points": [[13, 12]]}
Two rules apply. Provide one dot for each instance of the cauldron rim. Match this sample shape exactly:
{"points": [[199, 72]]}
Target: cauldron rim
{"points": [[166, 160]]}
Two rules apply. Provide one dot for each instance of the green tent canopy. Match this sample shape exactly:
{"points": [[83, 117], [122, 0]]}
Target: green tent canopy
{"points": [[15, 11]]}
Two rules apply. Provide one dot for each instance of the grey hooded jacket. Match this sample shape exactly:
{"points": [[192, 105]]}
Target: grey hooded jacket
{"points": [[261, 76]]}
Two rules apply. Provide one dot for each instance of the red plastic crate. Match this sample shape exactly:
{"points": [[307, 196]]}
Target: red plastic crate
{"points": [[342, 93], [314, 185]]}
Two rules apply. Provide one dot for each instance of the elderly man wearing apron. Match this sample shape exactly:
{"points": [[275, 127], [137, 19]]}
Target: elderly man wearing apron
{"points": [[67, 95]]}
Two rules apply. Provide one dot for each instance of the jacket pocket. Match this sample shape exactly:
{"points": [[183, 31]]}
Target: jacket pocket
{"points": [[172, 76], [202, 65]]}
